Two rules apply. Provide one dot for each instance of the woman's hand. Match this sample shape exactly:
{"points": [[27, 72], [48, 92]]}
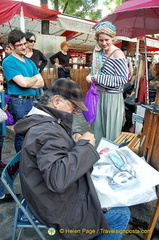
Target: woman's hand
{"points": [[5, 108], [88, 79], [1, 88], [1, 77], [58, 65]]}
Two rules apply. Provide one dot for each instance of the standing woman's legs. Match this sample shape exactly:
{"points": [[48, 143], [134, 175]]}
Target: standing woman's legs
{"points": [[61, 73]]}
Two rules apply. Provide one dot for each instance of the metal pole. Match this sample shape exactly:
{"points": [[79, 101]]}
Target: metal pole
{"points": [[22, 20], [3, 124], [147, 85]]}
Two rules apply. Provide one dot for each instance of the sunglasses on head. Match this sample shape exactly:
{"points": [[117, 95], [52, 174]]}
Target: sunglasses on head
{"points": [[31, 41]]}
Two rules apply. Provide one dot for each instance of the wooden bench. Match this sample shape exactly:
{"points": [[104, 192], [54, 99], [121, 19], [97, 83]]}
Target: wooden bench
{"points": [[132, 138]]}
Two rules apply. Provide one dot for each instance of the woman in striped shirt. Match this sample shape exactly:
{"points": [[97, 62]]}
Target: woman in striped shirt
{"points": [[110, 73]]}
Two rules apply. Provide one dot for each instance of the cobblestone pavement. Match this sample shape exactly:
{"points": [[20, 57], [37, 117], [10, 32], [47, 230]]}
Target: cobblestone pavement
{"points": [[140, 214]]}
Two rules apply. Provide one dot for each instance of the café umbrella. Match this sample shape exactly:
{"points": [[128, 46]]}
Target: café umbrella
{"points": [[135, 18]]}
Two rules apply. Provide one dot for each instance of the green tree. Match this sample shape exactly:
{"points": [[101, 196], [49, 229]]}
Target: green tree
{"points": [[113, 4], [78, 8]]}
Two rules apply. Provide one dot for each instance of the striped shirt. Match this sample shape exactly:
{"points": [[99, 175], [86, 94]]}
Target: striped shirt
{"points": [[114, 73]]}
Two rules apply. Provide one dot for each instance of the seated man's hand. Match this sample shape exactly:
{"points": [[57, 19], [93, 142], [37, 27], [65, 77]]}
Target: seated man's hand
{"points": [[88, 136], [76, 136]]}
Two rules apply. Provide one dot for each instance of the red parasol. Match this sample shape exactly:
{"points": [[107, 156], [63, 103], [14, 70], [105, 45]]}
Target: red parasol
{"points": [[135, 18]]}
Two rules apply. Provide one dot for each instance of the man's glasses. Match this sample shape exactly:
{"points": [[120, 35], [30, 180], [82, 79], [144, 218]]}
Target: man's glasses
{"points": [[21, 45], [32, 41], [74, 109]]}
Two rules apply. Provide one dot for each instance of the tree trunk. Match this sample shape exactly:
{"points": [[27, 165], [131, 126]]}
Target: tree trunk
{"points": [[56, 5], [44, 23], [43, 2]]}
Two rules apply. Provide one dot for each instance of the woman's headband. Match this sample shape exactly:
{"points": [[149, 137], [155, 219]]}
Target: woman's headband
{"points": [[107, 28]]}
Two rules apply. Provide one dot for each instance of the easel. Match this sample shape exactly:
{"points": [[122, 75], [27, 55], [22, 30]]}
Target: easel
{"points": [[153, 221], [150, 134], [149, 148]]}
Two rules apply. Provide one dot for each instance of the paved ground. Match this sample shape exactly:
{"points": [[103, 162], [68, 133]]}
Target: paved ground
{"points": [[139, 218]]}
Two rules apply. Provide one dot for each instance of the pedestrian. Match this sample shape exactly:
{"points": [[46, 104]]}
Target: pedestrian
{"points": [[2, 164], [22, 79], [110, 73], [56, 165], [63, 58], [152, 89], [7, 49], [129, 62], [36, 56], [4, 197]]}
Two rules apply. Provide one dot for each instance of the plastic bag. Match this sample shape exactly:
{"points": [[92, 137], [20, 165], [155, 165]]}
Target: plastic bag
{"points": [[10, 119], [120, 180], [91, 102], [3, 116]]}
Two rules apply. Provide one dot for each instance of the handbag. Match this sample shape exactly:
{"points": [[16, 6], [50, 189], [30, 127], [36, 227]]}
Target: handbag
{"points": [[91, 102], [3, 116]]}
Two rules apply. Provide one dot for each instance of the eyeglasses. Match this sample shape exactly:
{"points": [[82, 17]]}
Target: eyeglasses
{"points": [[32, 41], [74, 109], [21, 45]]}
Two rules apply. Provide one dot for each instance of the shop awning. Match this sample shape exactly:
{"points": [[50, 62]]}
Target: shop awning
{"points": [[9, 8]]}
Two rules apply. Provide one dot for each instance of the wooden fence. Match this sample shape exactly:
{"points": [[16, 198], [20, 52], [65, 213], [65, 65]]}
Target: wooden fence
{"points": [[77, 75]]}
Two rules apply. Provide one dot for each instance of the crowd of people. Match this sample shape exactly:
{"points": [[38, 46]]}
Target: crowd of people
{"points": [[56, 164]]}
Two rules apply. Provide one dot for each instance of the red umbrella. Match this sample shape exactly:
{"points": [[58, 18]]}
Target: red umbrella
{"points": [[135, 18]]}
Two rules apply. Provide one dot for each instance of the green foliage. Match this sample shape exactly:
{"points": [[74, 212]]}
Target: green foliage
{"points": [[79, 8], [112, 4]]}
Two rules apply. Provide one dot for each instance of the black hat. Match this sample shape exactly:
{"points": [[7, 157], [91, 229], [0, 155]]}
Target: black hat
{"points": [[70, 90]]}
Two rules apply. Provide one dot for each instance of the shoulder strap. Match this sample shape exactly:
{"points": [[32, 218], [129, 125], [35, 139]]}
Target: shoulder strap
{"points": [[109, 56]]}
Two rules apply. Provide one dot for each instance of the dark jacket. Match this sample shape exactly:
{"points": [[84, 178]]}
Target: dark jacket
{"points": [[63, 59], [39, 59], [55, 174]]}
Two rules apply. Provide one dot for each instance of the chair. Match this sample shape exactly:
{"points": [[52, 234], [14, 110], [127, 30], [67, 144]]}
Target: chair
{"points": [[8, 177]]}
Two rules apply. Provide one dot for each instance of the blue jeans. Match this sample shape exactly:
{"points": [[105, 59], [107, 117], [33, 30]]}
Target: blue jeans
{"points": [[19, 107], [1, 191], [63, 74], [1, 141], [118, 219]]}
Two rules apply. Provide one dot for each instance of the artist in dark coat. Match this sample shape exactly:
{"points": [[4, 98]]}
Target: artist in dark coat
{"points": [[56, 165]]}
